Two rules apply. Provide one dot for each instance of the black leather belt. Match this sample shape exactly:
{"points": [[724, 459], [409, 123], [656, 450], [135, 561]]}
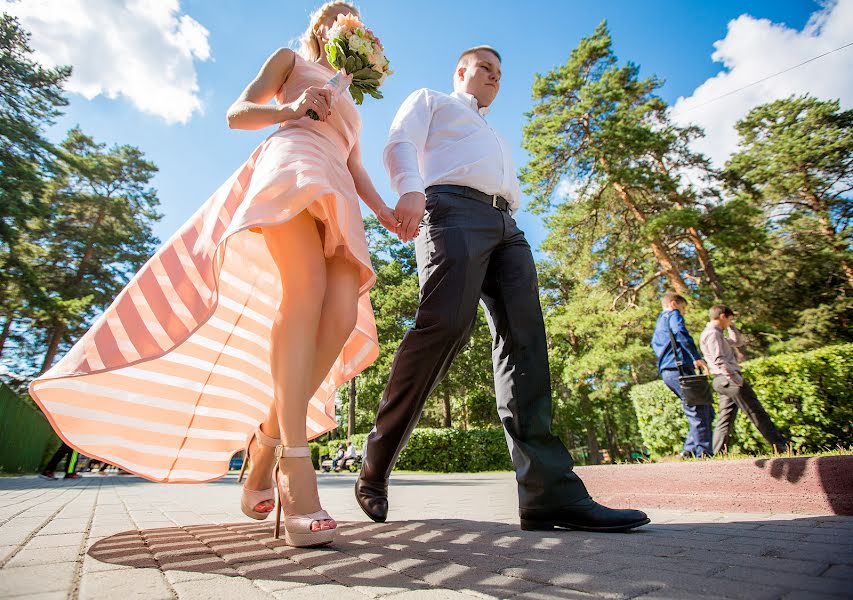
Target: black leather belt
{"points": [[493, 200]]}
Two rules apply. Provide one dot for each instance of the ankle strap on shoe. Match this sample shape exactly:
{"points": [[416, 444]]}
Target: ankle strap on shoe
{"points": [[265, 440], [287, 452]]}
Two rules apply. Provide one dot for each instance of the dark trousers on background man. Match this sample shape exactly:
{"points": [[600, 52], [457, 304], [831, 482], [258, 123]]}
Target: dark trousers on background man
{"points": [[64, 451], [699, 418], [469, 252], [743, 397]]}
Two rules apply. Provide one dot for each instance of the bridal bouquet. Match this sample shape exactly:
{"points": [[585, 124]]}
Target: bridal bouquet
{"points": [[358, 55]]}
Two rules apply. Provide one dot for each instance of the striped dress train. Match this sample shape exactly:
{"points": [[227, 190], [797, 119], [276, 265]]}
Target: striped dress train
{"points": [[175, 374]]}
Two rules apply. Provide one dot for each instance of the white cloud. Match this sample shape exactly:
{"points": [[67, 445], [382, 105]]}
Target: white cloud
{"points": [[567, 189], [142, 50], [755, 48]]}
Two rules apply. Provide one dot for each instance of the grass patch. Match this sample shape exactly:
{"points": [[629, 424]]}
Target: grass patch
{"points": [[744, 456]]}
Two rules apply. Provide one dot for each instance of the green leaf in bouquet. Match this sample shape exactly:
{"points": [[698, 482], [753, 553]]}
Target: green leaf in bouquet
{"points": [[375, 93], [350, 65], [341, 55], [356, 94], [359, 64], [366, 74]]}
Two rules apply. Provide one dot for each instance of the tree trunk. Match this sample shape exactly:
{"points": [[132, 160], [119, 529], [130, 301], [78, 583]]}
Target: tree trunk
{"points": [[465, 416], [666, 261], [589, 423], [7, 327], [821, 211], [830, 234], [351, 413], [59, 331], [706, 262], [698, 243], [612, 444], [52, 346], [447, 416]]}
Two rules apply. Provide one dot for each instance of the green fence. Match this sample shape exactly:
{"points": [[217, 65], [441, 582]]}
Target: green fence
{"points": [[25, 435]]}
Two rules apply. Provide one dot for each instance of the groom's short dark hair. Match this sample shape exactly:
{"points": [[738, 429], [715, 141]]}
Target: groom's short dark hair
{"points": [[476, 49]]}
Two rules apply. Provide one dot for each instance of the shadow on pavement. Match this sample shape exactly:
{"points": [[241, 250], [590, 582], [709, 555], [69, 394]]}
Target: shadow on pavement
{"points": [[742, 559]]}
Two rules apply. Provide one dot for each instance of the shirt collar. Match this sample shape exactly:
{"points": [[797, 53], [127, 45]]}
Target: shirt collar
{"points": [[471, 101]]}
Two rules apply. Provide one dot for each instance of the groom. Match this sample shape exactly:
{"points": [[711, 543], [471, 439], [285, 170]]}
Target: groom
{"points": [[455, 177]]}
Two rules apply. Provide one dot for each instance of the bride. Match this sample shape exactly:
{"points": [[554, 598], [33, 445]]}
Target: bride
{"points": [[249, 317]]}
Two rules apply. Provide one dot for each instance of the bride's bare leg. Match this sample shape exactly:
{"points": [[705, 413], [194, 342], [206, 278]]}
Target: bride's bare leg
{"points": [[337, 320], [313, 288]]}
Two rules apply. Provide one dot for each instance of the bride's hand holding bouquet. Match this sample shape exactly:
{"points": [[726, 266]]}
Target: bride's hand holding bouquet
{"points": [[359, 56]]}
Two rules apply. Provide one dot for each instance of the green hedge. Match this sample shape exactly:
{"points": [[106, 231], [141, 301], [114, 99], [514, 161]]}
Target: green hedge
{"points": [[441, 450], [809, 395], [456, 451], [26, 438]]}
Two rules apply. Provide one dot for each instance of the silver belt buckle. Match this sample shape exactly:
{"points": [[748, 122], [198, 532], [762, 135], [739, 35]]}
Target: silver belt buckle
{"points": [[495, 201]]}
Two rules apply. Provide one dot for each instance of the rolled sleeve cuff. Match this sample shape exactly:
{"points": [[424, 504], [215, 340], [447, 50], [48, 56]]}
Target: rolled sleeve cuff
{"points": [[408, 183]]}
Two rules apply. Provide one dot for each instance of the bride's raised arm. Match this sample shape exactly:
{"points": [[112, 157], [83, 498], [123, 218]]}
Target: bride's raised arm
{"points": [[251, 110]]}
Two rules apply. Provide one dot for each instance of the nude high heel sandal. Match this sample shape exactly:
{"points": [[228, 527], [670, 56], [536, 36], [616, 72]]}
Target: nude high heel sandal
{"points": [[250, 499], [314, 529]]}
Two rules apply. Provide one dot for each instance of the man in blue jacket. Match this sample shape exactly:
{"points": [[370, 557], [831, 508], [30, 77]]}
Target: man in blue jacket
{"points": [[698, 442]]}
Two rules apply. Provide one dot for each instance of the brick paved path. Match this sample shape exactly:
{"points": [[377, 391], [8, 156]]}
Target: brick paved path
{"points": [[453, 536]]}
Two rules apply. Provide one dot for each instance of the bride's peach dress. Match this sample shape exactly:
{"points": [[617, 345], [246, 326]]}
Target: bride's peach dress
{"points": [[171, 379]]}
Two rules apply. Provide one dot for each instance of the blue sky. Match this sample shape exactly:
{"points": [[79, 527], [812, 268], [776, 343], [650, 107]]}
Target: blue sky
{"points": [[673, 40]]}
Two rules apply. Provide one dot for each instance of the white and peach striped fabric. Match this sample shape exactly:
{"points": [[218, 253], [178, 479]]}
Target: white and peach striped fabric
{"points": [[172, 378]]}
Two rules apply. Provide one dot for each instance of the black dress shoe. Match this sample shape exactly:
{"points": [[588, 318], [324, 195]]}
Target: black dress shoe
{"points": [[372, 497], [586, 515]]}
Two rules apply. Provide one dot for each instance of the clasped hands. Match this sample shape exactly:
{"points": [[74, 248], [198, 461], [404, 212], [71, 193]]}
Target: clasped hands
{"points": [[404, 220]]}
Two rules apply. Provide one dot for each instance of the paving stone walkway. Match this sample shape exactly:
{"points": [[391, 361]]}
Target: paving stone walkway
{"points": [[452, 536]]}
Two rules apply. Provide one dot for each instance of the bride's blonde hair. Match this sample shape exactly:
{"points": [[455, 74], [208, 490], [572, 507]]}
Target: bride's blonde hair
{"points": [[309, 47]]}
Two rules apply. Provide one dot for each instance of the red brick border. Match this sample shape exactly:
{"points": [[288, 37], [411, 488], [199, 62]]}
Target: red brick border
{"points": [[816, 485]]}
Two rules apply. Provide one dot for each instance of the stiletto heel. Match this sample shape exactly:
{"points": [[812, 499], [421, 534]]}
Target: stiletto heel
{"points": [[299, 529], [277, 511], [250, 499], [243, 466]]}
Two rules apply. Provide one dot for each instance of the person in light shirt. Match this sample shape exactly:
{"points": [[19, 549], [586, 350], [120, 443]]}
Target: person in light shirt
{"points": [[718, 341], [458, 190]]}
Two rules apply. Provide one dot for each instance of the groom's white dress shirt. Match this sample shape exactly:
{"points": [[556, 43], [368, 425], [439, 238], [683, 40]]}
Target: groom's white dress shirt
{"points": [[441, 138]]}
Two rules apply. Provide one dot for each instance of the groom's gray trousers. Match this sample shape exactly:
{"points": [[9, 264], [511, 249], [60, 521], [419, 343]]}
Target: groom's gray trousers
{"points": [[470, 252]]}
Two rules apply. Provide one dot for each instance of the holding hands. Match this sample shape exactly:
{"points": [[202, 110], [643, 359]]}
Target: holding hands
{"points": [[409, 212], [405, 220], [388, 219]]}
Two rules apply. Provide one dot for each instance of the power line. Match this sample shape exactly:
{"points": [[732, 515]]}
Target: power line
{"points": [[805, 62]]}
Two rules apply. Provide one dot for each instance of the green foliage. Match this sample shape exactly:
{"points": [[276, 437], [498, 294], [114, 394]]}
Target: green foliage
{"points": [[442, 450], [330, 447], [468, 387], [456, 451], [808, 396], [26, 434], [30, 99], [60, 267], [661, 420], [795, 158]]}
